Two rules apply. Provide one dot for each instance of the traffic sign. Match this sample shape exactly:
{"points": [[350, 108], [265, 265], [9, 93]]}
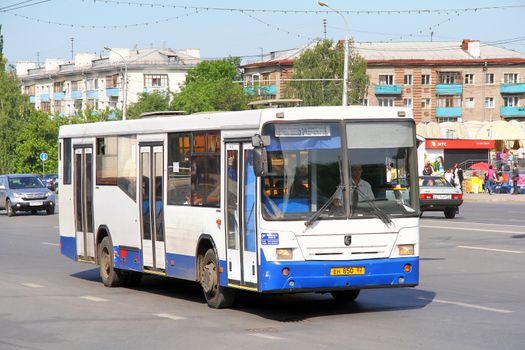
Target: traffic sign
{"points": [[43, 156]]}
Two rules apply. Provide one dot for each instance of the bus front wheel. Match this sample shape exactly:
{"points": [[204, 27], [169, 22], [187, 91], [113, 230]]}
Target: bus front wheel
{"points": [[109, 275], [217, 297], [346, 296]]}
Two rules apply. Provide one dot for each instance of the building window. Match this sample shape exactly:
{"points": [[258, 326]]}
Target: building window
{"points": [[510, 78], [449, 77], [469, 79], [45, 106], [111, 81], [58, 86], [426, 103], [156, 80], [77, 85], [449, 101], [425, 79], [385, 102], [489, 78], [386, 79], [407, 79], [364, 102], [407, 102], [106, 161], [511, 101], [489, 102], [469, 102], [92, 84]]}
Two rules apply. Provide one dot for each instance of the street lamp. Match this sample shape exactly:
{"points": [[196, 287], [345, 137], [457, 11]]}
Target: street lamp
{"points": [[125, 83], [345, 69]]}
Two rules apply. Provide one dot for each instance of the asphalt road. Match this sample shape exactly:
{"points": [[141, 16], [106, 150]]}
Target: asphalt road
{"points": [[471, 296]]}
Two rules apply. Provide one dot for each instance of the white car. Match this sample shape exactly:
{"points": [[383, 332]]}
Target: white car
{"points": [[437, 194]]}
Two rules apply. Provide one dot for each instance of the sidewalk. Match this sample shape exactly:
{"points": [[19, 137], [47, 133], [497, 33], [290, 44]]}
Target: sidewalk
{"points": [[495, 197]]}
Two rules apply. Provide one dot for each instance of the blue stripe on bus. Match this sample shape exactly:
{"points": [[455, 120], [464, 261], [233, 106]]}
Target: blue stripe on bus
{"points": [[128, 259], [68, 247], [183, 266], [311, 275]]}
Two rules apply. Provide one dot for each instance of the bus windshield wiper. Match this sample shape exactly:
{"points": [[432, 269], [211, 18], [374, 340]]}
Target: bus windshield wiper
{"points": [[318, 213], [383, 216]]}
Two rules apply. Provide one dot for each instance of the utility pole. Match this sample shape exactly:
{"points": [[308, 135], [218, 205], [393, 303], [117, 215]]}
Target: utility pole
{"points": [[324, 25], [72, 48], [431, 35]]}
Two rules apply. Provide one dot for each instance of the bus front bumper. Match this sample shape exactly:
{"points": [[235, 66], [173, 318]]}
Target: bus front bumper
{"points": [[315, 276]]}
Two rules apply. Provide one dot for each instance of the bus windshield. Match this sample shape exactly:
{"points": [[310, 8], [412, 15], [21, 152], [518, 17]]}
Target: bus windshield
{"points": [[305, 170]]}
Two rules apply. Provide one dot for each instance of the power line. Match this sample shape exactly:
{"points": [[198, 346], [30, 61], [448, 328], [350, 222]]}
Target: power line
{"points": [[278, 28], [16, 7], [360, 12]]}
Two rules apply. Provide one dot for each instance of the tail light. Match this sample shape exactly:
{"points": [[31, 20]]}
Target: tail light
{"points": [[457, 196], [425, 196]]}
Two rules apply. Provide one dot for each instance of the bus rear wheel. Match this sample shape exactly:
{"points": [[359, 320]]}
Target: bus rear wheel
{"points": [[345, 296], [217, 297], [109, 275]]}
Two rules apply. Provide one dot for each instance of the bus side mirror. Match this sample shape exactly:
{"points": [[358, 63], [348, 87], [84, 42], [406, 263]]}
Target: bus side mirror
{"points": [[260, 161], [261, 140]]}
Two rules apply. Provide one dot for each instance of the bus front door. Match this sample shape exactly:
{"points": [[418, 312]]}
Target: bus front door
{"points": [[83, 192], [151, 204], [240, 216]]}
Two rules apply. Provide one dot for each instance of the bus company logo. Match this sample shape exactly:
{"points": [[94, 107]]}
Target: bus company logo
{"points": [[348, 240]]}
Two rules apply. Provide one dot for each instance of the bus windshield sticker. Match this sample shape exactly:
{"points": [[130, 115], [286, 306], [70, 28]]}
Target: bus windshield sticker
{"points": [[302, 130], [270, 238]]}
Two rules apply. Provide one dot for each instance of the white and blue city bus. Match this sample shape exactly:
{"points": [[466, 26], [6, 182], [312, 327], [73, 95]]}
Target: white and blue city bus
{"points": [[310, 199]]}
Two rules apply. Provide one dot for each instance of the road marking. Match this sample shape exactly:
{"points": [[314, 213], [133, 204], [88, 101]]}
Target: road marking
{"points": [[490, 249], [472, 223], [472, 306], [33, 285], [171, 317], [469, 229], [49, 243], [265, 336], [91, 298]]}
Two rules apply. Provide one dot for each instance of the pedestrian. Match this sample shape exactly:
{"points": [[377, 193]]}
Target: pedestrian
{"points": [[491, 174], [504, 159], [458, 174], [515, 178], [521, 159], [449, 176]]}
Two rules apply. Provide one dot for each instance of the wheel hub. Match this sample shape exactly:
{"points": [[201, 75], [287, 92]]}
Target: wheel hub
{"points": [[208, 277]]}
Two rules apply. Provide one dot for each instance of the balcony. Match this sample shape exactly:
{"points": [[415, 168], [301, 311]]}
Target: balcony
{"points": [[150, 89], [448, 112], [32, 99], [76, 94], [512, 88], [387, 89], [91, 94], [261, 90], [449, 89], [512, 111], [112, 92], [44, 98], [57, 96]]}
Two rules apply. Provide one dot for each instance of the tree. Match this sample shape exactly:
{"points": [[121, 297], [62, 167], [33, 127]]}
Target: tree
{"points": [[150, 102], [210, 86], [326, 61]]}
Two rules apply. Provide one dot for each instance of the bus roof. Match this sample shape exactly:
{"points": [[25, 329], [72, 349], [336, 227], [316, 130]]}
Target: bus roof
{"points": [[242, 120]]}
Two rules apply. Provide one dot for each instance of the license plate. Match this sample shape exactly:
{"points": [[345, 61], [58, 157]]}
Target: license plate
{"points": [[347, 271], [442, 196], [35, 204]]}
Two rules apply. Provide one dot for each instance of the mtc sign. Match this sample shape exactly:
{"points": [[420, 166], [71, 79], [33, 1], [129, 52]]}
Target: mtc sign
{"points": [[459, 144]]}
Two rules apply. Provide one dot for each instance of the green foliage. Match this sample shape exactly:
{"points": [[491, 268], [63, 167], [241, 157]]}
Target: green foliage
{"points": [[326, 61], [150, 102], [210, 87]]}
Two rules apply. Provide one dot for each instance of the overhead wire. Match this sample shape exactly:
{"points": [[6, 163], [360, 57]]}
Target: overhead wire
{"points": [[12, 7]]}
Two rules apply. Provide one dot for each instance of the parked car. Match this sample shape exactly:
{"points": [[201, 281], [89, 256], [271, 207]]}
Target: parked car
{"points": [[49, 181], [437, 194], [25, 192]]}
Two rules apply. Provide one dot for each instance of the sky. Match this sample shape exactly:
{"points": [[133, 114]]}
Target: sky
{"points": [[44, 28]]}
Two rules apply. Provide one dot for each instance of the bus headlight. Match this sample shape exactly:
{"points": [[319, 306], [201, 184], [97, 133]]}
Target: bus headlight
{"points": [[406, 249], [284, 253]]}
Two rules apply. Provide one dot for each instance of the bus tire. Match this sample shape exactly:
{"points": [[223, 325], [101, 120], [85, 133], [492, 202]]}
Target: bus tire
{"points": [[9, 209], [345, 296], [217, 297], [110, 276]]}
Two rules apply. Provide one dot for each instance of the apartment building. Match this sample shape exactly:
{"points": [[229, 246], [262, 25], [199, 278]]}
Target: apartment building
{"points": [[98, 81], [440, 81]]}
